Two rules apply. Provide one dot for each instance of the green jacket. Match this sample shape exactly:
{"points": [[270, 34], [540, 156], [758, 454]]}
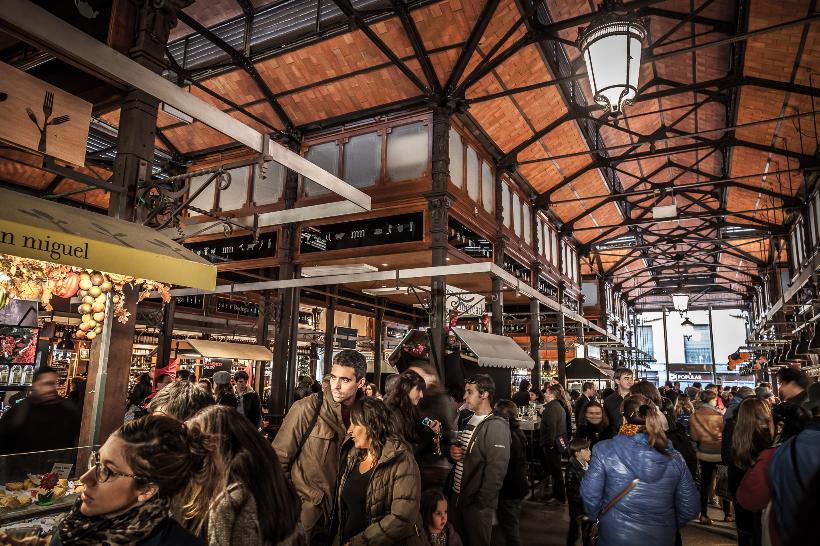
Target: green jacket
{"points": [[486, 459]]}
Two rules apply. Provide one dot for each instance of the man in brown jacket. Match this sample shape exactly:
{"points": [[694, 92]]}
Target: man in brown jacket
{"points": [[706, 428], [309, 441]]}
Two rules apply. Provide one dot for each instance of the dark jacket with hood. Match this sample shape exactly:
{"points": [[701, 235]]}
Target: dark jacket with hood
{"points": [[486, 459], [553, 423], [22, 426], [666, 492], [393, 497]]}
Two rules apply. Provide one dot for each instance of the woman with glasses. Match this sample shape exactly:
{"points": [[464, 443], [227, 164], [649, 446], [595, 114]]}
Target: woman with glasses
{"points": [[242, 498], [129, 486]]}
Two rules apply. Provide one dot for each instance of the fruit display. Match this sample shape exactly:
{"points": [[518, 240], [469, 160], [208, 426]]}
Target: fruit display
{"points": [[94, 288]]}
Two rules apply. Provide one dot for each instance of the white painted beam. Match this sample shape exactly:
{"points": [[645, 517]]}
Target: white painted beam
{"points": [[32, 23]]}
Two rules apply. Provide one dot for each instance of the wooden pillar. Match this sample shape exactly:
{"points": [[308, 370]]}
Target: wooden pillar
{"points": [[166, 335], [378, 343], [287, 296], [110, 365], [439, 202], [330, 327]]}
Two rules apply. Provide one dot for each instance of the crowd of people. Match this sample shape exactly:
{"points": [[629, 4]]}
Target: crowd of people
{"points": [[417, 466]]}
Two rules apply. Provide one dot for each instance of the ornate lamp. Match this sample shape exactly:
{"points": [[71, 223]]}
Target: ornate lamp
{"points": [[688, 327], [680, 302], [611, 46]]}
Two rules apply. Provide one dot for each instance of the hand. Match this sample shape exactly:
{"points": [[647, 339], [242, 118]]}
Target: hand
{"points": [[456, 453], [436, 428]]}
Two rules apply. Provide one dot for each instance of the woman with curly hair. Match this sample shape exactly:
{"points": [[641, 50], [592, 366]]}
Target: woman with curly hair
{"points": [[379, 485]]}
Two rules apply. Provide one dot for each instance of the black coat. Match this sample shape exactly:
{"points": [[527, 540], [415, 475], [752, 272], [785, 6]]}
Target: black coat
{"points": [[594, 433], [580, 406], [515, 484], [521, 399], [251, 407], [614, 407], [573, 476], [33, 425]]}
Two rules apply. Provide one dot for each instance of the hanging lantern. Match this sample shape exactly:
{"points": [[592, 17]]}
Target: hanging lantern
{"points": [[688, 328], [611, 46]]}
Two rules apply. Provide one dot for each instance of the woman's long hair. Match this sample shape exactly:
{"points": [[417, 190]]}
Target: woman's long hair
{"points": [[373, 415], [683, 403], [754, 431], [640, 410], [140, 390], [398, 400], [241, 455], [221, 389]]}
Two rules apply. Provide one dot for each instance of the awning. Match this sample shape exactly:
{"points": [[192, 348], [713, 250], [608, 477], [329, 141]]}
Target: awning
{"points": [[236, 351], [494, 351], [588, 368], [43, 230]]}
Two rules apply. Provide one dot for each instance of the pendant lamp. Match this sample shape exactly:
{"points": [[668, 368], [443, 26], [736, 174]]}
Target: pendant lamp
{"points": [[611, 46]]}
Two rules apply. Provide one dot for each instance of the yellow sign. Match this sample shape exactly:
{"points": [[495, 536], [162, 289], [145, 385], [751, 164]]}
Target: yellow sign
{"points": [[48, 231], [41, 117]]}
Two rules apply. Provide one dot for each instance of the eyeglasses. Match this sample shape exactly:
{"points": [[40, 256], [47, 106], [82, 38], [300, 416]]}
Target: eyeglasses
{"points": [[102, 473]]}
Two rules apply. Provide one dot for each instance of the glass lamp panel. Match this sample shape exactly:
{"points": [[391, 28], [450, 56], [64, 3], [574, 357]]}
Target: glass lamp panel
{"points": [[505, 201], [554, 249], [472, 174], [407, 152], [486, 186], [527, 224], [363, 159], [269, 190], [235, 196], [634, 65], [516, 213], [456, 159], [608, 59], [326, 156]]}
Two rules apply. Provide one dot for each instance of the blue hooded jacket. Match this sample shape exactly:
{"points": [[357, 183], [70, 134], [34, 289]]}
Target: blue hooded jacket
{"points": [[665, 498]]}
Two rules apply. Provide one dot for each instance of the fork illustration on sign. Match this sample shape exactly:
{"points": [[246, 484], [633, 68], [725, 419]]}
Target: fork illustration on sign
{"points": [[48, 106]]}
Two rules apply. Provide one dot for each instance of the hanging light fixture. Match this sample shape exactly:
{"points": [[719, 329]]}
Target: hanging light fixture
{"points": [[688, 327], [611, 46], [680, 302]]}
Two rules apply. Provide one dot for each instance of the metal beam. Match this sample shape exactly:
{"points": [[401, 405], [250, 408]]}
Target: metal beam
{"points": [[476, 33], [33, 23], [362, 25], [418, 44], [244, 63]]}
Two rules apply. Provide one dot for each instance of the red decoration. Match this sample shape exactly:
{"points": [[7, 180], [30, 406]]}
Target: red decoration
{"points": [[49, 481], [67, 286]]}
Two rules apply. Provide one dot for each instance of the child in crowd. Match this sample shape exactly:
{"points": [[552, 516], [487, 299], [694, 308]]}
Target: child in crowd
{"points": [[437, 531], [579, 456]]}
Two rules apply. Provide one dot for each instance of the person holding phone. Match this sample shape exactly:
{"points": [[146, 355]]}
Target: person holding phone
{"points": [[423, 434]]}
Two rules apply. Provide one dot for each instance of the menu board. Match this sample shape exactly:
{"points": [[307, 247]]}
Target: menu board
{"points": [[387, 230]]}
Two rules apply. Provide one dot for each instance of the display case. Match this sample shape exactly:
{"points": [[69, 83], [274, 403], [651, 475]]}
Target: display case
{"points": [[24, 503]]}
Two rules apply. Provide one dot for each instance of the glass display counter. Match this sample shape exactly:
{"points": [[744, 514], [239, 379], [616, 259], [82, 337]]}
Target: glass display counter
{"points": [[24, 503]]}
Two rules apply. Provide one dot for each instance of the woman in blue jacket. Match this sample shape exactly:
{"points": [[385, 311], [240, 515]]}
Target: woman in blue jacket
{"points": [[665, 497]]}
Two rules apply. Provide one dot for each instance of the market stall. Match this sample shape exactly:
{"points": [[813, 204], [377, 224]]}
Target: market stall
{"points": [[583, 369]]}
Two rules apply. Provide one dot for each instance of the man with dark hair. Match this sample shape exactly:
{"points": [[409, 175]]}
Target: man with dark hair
{"points": [[249, 403], [587, 396], [614, 403], [481, 456], [522, 397], [793, 384], [160, 382], [181, 400], [311, 436], [183, 375], [43, 421]]}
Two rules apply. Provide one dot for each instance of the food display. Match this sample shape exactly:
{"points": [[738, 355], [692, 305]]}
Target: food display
{"points": [[42, 490]]}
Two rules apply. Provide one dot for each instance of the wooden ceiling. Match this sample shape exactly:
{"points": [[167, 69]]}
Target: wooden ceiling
{"points": [[701, 74]]}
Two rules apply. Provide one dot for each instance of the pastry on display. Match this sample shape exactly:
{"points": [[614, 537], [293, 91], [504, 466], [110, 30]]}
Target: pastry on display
{"points": [[15, 486], [23, 499], [28, 484], [8, 502], [62, 483], [59, 492], [79, 488]]}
